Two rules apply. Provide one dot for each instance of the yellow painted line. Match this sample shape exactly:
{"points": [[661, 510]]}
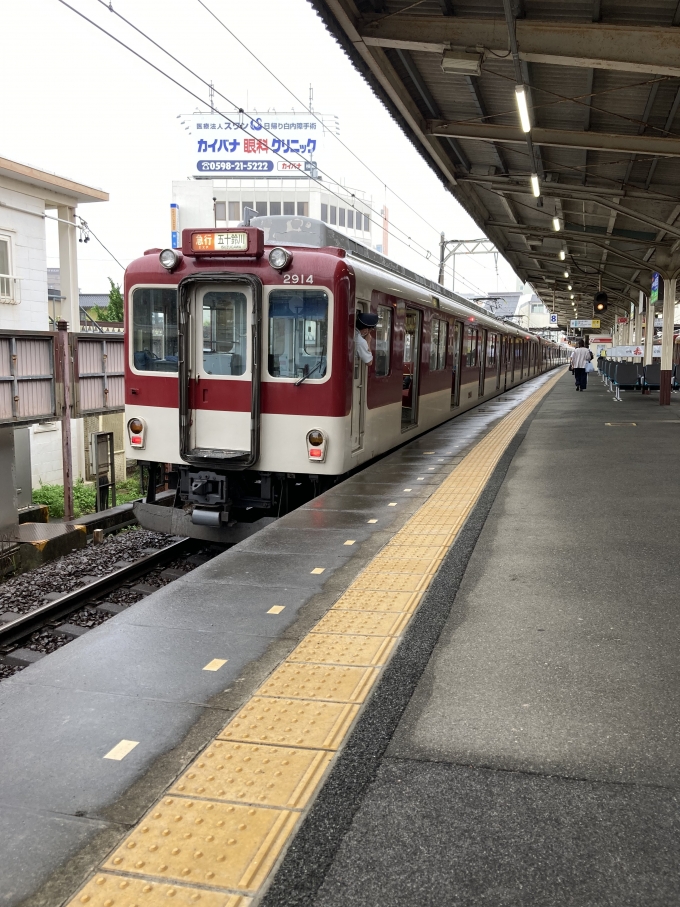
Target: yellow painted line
{"points": [[350, 542], [122, 749], [318, 570], [216, 835], [215, 664]]}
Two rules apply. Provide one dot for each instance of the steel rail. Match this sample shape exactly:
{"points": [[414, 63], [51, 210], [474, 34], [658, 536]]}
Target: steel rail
{"points": [[34, 620]]}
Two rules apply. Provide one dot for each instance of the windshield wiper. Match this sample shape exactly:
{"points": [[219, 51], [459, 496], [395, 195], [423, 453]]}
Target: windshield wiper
{"points": [[307, 372]]}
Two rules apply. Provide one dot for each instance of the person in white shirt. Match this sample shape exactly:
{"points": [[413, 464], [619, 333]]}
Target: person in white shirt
{"points": [[579, 359], [365, 323]]}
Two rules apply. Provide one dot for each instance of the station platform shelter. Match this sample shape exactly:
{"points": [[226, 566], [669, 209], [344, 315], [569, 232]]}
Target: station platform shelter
{"points": [[452, 679]]}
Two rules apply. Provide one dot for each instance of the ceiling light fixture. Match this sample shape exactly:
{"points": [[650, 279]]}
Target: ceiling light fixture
{"points": [[523, 107], [563, 254], [556, 224], [535, 186]]}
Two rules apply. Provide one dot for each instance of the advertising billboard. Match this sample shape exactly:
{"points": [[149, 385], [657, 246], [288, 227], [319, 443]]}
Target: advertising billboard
{"points": [[257, 144]]}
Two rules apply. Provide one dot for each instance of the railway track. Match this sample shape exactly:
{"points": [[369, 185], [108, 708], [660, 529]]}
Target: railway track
{"points": [[48, 616]]}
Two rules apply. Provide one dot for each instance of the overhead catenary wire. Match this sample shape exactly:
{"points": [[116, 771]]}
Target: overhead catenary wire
{"points": [[407, 242], [311, 112]]}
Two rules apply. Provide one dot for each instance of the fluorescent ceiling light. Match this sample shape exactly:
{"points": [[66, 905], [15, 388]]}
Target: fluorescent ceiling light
{"points": [[461, 62], [522, 107], [563, 254], [569, 286], [566, 273], [535, 186], [556, 224]]}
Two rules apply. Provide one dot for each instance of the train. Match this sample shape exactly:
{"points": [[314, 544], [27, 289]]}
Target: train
{"points": [[242, 378]]}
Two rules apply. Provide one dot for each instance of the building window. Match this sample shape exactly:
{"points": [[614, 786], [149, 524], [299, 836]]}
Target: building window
{"points": [[289, 209], [303, 209], [538, 308], [491, 350], [221, 211], [261, 208], [250, 205], [274, 209], [324, 213], [154, 330], [234, 211], [7, 287], [350, 219], [367, 225], [383, 341], [438, 338], [341, 217], [298, 333], [334, 214]]}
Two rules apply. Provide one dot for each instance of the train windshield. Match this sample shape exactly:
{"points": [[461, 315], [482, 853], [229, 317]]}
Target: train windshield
{"points": [[154, 329], [298, 333]]}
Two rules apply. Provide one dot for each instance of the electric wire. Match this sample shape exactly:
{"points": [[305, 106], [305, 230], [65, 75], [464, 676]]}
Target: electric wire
{"points": [[311, 112], [239, 109]]}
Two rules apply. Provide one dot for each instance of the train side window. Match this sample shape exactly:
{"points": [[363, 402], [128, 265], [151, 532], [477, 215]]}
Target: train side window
{"points": [[154, 329], [491, 350], [383, 341], [470, 348], [225, 333], [438, 338], [298, 334]]}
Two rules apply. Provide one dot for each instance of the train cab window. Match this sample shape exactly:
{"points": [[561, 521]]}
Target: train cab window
{"points": [[225, 332], [383, 341], [298, 333], [154, 329], [438, 339]]}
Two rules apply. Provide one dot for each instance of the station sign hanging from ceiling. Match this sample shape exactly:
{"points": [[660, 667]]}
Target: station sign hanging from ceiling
{"points": [[585, 323], [253, 144]]}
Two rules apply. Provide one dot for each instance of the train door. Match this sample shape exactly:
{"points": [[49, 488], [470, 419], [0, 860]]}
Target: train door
{"points": [[358, 394], [219, 370], [411, 368], [456, 361], [502, 350]]}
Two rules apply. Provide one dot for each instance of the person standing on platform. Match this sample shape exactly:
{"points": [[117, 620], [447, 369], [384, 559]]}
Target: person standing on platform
{"points": [[579, 360]]}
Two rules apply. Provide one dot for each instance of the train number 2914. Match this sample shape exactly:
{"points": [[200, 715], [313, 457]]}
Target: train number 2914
{"points": [[297, 278]]}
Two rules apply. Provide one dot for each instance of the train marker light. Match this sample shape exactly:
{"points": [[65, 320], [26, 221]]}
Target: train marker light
{"points": [[280, 258], [316, 445], [137, 433], [169, 259]]}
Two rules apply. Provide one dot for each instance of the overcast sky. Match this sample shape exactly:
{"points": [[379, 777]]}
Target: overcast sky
{"points": [[80, 105]]}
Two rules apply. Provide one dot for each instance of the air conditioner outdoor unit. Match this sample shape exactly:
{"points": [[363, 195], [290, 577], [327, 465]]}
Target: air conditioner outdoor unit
{"points": [[462, 62]]}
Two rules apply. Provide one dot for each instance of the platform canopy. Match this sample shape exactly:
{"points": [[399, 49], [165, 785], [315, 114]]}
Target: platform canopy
{"points": [[601, 79]]}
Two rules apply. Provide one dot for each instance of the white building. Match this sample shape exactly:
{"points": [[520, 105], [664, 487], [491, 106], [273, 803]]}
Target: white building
{"points": [[220, 203], [27, 197]]}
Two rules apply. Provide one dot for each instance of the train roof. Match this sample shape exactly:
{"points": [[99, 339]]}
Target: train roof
{"points": [[306, 231]]}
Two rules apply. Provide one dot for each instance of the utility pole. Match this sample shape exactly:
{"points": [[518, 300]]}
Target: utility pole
{"points": [[64, 360]]}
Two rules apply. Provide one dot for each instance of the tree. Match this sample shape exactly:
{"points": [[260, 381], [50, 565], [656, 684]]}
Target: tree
{"points": [[114, 310]]}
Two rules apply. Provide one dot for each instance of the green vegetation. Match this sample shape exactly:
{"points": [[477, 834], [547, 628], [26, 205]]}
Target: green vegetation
{"points": [[114, 310], [83, 496]]}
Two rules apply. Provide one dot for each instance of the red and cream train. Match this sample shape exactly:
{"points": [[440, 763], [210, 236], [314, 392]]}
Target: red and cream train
{"points": [[241, 369]]}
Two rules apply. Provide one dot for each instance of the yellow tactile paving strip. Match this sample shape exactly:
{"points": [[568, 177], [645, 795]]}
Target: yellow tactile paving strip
{"points": [[216, 835]]}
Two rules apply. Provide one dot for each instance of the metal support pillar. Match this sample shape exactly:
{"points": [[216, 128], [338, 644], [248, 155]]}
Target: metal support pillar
{"points": [[649, 340], [667, 342], [64, 359], [638, 320]]}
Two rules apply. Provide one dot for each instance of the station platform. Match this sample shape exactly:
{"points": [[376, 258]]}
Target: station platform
{"points": [[451, 679]]}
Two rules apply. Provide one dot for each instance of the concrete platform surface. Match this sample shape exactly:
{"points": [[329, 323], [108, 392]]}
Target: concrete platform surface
{"points": [[537, 760]]}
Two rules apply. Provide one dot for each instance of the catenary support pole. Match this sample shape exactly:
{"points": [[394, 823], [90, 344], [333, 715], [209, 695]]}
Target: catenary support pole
{"points": [[64, 357], [667, 342]]}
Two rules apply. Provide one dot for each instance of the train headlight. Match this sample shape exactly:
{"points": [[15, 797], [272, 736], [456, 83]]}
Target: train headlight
{"points": [[316, 445], [280, 258], [169, 258], [137, 433]]}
